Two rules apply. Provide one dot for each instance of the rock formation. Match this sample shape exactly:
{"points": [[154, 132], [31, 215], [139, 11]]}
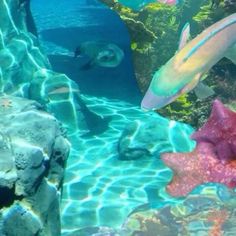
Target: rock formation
{"points": [[33, 147], [33, 153], [25, 71], [149, 137]]}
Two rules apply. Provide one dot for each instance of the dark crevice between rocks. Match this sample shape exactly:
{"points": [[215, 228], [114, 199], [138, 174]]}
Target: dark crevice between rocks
{"points": [[30, 24], [49, 171], [7, 197], [47, 167]]}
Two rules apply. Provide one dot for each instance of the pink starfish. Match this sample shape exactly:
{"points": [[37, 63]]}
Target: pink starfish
{"points": [[213, 159], [198, 167], [220, 130]]}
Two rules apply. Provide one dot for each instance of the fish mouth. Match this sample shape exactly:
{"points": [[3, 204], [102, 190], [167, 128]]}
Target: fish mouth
{"points": [[152, 102]]}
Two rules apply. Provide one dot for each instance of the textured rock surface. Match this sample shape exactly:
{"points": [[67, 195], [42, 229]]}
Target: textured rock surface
{"points": [[33, 155], [33, 150], [149, 137], [25, 70]]}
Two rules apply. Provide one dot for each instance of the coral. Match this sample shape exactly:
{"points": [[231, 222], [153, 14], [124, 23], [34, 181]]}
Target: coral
{"points": [[213, 159], [230, 5], [218, 218], [204, 213]]}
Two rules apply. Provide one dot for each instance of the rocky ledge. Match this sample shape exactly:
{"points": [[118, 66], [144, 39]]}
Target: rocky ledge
{"points": [[33, 152]]}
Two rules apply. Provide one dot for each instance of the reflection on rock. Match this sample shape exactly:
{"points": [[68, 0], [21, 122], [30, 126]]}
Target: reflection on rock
{"points": [[33, 157], [149, 137]]}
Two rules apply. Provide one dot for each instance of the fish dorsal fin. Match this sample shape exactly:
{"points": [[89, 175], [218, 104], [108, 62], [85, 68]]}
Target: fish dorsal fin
{"points": [[184, 36]]}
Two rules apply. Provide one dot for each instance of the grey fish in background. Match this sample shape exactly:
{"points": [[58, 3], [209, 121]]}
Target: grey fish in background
{"points": [[100, 54]]}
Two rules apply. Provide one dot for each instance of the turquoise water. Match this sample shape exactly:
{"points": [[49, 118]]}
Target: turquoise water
{"points": [[100, 189]]}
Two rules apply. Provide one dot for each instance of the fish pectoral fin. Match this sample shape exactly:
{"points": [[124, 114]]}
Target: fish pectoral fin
{"points": [[184, 36], [231, 54], [203, 91], [192, 84]]}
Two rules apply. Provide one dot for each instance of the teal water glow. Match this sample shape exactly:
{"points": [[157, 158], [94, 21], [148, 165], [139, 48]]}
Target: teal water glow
{"points": [[100, 189]]}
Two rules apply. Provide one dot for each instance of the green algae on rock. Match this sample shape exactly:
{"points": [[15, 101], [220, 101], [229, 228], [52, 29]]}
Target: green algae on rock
{"points": [[155, 26]]}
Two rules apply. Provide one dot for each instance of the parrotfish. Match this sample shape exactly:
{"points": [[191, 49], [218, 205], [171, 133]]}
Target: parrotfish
{"points": [[185, 70]]}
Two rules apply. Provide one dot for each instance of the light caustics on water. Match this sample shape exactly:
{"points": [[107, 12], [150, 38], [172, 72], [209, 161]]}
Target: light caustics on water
{"points": [[100, 189]]}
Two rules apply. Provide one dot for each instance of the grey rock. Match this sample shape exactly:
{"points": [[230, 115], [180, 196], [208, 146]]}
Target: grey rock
{"points": [[33, 154], [151, 136], [18, 220], [46, 203]]}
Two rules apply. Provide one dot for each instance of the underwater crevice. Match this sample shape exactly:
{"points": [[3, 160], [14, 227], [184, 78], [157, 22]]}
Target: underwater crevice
{"points": [[8, 197]]}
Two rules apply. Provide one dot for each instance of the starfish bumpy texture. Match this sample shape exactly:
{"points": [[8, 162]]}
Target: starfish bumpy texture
{"points": [[213, 159]]}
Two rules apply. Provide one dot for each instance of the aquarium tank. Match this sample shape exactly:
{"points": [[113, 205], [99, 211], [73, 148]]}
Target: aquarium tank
{"points": [[118, 117]]}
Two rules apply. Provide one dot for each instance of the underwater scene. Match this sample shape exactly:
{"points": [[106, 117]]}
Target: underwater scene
{"points": [[118, 117]]}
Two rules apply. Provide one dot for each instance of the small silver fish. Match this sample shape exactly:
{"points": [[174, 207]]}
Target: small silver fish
{"points": [[63, 90]]}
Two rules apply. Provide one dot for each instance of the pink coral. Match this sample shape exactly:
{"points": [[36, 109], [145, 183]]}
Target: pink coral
{"points": [[213, 159]]}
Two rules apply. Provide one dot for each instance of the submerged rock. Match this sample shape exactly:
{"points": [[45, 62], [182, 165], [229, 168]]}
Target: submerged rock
{"points": [[33, 148], [33, 157], [150, 137], [25, 71]]}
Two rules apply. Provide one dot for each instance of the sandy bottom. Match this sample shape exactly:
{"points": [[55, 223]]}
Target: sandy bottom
{"points": [[100, 189]]}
